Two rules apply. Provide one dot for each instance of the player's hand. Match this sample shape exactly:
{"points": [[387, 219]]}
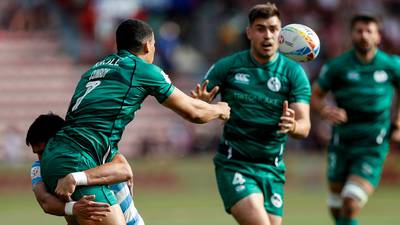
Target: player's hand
{"points": [[334, 114], [86, 208], [288, 121], [65, 187], [225, 111], [202, 93]]}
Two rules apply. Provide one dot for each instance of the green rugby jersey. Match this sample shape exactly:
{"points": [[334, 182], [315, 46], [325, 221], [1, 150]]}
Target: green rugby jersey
{"points": [[366, 92], [106, 99], [255, 92]]}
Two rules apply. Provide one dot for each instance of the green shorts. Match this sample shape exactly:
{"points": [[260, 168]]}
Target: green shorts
{"points": [[364, 162], [62, 157], [238, 179]]}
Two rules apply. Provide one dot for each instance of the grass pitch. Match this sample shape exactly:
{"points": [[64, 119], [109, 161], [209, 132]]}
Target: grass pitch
{"points": [[183, 191]]}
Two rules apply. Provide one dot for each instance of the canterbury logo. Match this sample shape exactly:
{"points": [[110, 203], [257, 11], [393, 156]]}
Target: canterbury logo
{"points": [[242, 78]]}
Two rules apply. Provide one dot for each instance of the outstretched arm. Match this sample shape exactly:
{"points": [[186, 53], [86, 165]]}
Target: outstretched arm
{"points": [[332, 114], [118, 170], [84, 208], [195, 110], [201, 92]]}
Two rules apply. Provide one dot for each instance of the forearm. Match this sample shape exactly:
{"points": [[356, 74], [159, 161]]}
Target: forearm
{"points": [[194, 110], [301, 129], [116, 171], [318, 102], [48, 202], [203, 112]]}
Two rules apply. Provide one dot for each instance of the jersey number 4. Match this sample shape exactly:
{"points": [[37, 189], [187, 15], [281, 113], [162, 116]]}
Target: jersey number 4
{"points": [[89, 87]]}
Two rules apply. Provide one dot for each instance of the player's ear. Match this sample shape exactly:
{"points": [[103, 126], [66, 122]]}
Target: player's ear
{"points": [[379, 38], [248, 32], [146, 47]]}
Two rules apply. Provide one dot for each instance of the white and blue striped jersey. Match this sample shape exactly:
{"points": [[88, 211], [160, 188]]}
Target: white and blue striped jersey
{"points": [[125, 201], [121, 192]]}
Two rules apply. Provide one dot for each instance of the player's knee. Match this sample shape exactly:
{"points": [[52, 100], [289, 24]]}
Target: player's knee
{"points": [[356, 195], [334, 200]]}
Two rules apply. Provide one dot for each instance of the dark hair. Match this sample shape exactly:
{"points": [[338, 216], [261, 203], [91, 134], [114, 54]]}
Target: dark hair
{"points": [[132, 34], [265, 11], [43, 128], [365, 18]]}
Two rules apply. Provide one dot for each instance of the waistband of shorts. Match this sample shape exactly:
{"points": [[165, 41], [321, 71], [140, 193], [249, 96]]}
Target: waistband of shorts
{"points": [[233, 154]]}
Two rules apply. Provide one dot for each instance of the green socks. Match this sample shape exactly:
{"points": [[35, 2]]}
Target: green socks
{"points": [[346, 221]]}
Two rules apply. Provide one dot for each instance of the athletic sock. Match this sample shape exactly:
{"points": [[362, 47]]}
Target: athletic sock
{"points": [[346, 221]]}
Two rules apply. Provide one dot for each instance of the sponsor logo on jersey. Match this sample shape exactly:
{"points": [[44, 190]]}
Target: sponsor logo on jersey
{"points": [[274, 84], [353, 76], [242, 78], [256, 99], [276, 200], [380, 76]]}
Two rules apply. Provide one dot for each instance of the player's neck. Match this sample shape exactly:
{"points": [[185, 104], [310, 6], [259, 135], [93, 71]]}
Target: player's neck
{"points": [[366, 57]]}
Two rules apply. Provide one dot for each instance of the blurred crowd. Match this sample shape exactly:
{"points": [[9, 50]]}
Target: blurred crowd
{"points": [[192, 34]]}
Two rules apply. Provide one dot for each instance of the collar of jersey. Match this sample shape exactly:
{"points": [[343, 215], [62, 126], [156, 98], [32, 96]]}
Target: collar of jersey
{"points": [[125, 53], [265, 64], [353, 52]]}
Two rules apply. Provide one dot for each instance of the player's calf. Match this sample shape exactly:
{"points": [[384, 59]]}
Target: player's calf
{"points": [[354, 198], [335, 203]]}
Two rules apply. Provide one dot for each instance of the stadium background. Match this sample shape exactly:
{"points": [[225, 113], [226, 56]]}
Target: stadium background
{"points": [[46, 45]]}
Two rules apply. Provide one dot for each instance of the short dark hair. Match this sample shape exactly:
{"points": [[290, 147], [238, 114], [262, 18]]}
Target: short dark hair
{"points": [[265, 11], [132, 34], [43, 128], [365, 18]]}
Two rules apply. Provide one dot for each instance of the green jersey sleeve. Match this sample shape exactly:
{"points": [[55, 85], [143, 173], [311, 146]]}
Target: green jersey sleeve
{"points": [[325, 77], [300, 86], [216, 74], [156, 82]]}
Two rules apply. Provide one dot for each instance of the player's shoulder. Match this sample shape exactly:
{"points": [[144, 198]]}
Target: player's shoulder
{"points": [[36, 163], [288, 62], [344, 58], [235, 59], [289, 66], [388, 59], [339, 62]]}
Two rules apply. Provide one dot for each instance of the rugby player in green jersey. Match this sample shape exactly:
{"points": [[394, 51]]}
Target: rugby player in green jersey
{"points": [[362, 82], [105, 101], [269, 96]]}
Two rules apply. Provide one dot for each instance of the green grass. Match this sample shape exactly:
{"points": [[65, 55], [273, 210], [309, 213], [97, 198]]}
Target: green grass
{"points": [[189, 196]]}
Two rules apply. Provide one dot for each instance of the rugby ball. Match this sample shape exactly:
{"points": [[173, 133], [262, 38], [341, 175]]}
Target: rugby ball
{"points": [[299, 42]]}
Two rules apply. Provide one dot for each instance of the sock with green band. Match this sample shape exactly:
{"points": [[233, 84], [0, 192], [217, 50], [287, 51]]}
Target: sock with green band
{"points": [[346, 221]]}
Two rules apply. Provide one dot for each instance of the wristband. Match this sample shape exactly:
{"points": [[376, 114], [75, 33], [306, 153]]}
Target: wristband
{"points": [[68, 209], [80, 178]]}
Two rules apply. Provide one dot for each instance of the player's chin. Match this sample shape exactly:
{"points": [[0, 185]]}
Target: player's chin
{"points": [[267, 51]]}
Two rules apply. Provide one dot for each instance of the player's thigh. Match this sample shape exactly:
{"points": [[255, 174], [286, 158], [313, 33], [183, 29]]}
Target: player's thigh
{"points": [[272, 181], [234, 184], [368, 166], [250, 210], [274, 219], [337, 165], [114, 217], [335, 187]]}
